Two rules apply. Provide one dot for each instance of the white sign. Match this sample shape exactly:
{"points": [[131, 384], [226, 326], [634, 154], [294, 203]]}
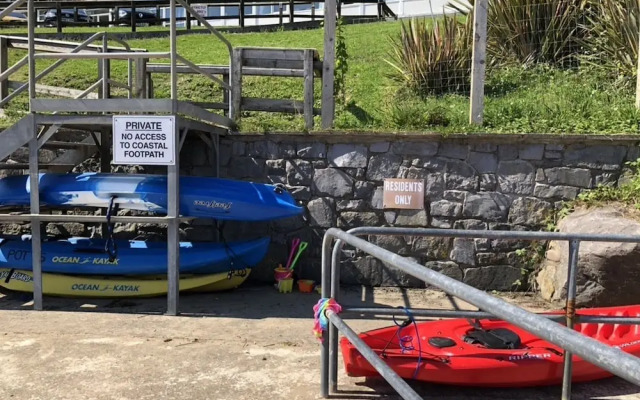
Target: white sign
{"points": [[201, 9], [144, 139]]}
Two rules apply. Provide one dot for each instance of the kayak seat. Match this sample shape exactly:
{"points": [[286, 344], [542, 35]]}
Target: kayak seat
{"points": [[500, 338]]}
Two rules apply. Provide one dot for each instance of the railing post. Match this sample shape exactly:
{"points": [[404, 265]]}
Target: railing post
{"points": [[280, 13], [75, 15], [241, 14], [313, 12], [141, 75], [158, 15], [339, 8], [225, 94], [572, 272], [105, 70], [478, 61], [4, 64]]}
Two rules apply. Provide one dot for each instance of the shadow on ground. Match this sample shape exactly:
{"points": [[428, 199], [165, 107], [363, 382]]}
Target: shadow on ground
{"points": [[236, 303]]}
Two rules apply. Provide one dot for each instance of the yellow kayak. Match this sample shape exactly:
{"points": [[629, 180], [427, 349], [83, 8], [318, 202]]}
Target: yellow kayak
{"points": [[230, 282], [92, 286]]}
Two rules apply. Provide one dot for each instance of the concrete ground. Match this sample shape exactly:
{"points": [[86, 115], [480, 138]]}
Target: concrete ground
{"points": [[250, 343]]}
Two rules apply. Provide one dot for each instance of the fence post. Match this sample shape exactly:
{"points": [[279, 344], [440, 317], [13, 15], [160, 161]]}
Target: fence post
{"points": [[313, 12], [478, 61], [328, 64], [280, 13], [638, 85], [308, 89], [4, 64], [187, 15], [134, 21], [241, 14], [58, 18], [291, 7]]}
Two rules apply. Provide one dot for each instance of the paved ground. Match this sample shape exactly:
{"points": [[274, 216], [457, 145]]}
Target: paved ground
{"points": [[251, 343]]}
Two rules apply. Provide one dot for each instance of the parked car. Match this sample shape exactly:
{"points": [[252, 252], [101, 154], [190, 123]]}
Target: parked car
{"points": [[143, 16], [15, 17], [66, 16]]}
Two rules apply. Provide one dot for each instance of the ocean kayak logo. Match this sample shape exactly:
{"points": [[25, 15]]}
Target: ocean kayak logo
{"points": [[213, 204], [84, 260], [96, 287]]}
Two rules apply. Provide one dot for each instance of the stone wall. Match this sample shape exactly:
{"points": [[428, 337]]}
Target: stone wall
{"points": [[502, 182], [472, 182]]}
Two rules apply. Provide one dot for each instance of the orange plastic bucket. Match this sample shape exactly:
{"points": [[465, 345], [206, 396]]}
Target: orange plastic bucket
{"points": [[306, 285]]}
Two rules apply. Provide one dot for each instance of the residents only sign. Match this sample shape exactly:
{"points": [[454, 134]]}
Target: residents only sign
{"points": [[144, 139], [403, 193]]}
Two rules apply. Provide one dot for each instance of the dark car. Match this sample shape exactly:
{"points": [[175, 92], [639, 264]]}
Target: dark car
{"points": [[67, 16], [142, 17]]}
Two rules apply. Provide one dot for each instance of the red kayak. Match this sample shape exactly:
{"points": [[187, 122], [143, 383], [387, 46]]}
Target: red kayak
{"points": [[486, 353]]}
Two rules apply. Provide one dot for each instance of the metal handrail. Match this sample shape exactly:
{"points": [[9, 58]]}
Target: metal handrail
{"points": [[224, 40], [50, 68], [11, 7], [611, 359]]}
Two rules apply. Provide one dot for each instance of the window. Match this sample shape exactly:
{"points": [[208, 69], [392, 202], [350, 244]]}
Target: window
{"points": [[231, 11]]}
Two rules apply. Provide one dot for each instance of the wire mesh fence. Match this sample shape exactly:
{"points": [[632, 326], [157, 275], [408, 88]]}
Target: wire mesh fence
{"points": [[546, 60]]}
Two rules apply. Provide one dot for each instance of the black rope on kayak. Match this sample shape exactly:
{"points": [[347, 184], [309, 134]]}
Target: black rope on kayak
{"points": [[406, 342], [110, 246], [241, 272]]}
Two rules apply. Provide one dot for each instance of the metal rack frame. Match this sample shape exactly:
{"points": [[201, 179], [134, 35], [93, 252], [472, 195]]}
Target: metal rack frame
{"points": [[201, 120]]}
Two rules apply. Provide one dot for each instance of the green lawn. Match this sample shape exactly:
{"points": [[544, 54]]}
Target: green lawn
{"points": [[519, 100]]}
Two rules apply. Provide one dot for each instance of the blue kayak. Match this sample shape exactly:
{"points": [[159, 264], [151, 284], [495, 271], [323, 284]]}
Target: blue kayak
{"points": [[217, 198], [84, 256]]}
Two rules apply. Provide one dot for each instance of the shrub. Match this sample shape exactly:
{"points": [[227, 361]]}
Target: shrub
{"points": [[432, 58], [531, 31], [612, 43]]}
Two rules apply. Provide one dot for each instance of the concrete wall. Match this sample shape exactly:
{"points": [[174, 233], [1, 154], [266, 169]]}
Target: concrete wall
{"points": [[472, 182]]}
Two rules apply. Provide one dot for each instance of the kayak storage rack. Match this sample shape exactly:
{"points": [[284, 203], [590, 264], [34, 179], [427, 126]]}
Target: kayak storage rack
{"points": [[613, 360], [90, 112]]}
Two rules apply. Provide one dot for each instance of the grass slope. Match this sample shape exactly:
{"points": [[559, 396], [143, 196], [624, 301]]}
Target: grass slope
{"points": [[519, 100]]}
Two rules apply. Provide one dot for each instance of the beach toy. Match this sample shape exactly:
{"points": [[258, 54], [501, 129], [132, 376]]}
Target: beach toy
{"points": [[294, 247], [285, 285], [306, 285], [301, 249], [281, 273]]}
